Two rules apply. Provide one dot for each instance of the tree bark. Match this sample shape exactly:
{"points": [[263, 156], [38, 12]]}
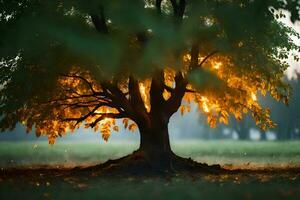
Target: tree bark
{"points": [[155, 143]]}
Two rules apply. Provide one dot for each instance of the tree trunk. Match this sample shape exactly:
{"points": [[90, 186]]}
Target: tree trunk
{"points": [[243, 134], [155, 144], [263, 136]]}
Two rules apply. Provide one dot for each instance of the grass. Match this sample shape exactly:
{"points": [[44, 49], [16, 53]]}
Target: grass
{"points": [[227, 153], [149, 188], [242, 154], [227, 186], [68, 154]]}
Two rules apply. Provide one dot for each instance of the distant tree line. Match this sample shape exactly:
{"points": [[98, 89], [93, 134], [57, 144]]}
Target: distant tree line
{"points": [[287, 118]]}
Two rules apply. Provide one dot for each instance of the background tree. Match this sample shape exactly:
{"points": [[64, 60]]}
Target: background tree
{"points": [[287, 118], [71, 63], [242, 127]]}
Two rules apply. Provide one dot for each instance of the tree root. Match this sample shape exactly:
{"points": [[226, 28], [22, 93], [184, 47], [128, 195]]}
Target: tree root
{"points": [[139, 164]]}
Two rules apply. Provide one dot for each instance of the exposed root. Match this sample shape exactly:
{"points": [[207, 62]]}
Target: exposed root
{"points": [[187, 164], [139, 164]]}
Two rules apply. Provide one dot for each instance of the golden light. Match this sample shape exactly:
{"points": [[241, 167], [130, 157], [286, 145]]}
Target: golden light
{"points": [[187, 57], [144, 95], [205, 107], [253, 96], [200, 59], [217, 65], [104, 121], [204, 104]]}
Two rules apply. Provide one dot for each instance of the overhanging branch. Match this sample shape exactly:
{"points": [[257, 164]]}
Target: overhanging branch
{"points": [[207, 57], [84, 80], [106, 116]]}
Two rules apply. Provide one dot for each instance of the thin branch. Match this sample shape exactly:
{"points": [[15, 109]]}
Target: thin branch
{"points": [[68, 98], [83, 79], [81, 119], [169, 89], [174, 102], [71, 90], [106, 115], [190, 91], [207, 57], [79, 104]]}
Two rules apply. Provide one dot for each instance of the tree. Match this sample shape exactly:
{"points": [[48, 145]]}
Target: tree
{"points": [[287, 118], [242, 127], [71, 63]]}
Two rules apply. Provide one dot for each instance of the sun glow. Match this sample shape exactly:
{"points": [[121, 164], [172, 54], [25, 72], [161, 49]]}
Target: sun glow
{"points": [[187, 57], [204, 104], [205, 107], [144, 88], [253, 96], [217, 65]]}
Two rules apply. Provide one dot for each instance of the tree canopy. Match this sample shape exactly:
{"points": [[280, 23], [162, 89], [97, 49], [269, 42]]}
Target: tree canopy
{"points": [[70, 63]]}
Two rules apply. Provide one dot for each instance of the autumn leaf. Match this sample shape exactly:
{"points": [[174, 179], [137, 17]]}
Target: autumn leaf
{"points": [[125, 122], [116, 128], [132, 127]]}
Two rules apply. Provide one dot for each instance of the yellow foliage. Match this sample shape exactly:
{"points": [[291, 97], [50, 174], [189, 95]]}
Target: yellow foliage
{"points": [[116, 128], [125, 122], [166, 94], [237, 95], [144, 87], [132, 127]]}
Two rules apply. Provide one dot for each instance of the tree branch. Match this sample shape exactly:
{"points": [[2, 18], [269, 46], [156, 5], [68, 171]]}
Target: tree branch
{"points": [[134, 93], [84, 80], [190, 91], [194, 56], [207, 57], [100, 21], [156, 91], [178, 8], [107, 115], [169, 89], [174, 101], [158, 5], [81, 119]]}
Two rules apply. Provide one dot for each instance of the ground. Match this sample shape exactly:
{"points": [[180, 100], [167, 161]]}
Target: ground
{"points": [[61, 183], [67, 186]]}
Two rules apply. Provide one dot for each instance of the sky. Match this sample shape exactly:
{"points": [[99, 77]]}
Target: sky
{"points": [[294, 67]]}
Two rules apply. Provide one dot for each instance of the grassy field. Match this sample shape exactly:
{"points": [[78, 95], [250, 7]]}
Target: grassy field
{"points": [[252, 185], [227, 153]]}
